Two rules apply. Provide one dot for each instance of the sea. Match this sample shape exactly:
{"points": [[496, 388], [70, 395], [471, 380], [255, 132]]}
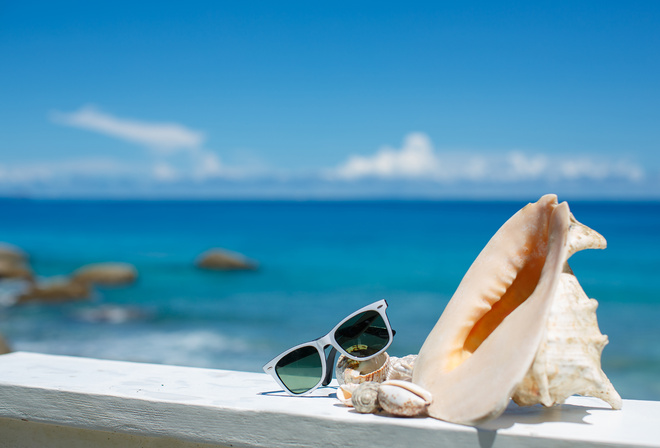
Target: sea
{"points": [[318, 262]]}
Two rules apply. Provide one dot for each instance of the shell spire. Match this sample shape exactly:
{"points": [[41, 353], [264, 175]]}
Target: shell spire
{"points": [[568, 359]]}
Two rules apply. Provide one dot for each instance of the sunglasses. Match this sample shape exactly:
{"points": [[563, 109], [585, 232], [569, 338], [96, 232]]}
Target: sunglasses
{"points": [[360, 336]]}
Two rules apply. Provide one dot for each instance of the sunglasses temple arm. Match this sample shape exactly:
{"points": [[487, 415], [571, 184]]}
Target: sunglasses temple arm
{"points": [[330, 366]]}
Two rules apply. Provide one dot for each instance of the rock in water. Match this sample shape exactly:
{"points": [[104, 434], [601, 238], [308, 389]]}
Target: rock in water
{"points": [[59, 290], [14, 269], [4, 347], [107, 274], [12, 253], [13, 263], [224, 260]]}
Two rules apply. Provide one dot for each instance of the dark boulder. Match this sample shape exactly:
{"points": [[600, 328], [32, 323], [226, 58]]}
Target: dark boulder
{"points": [[59, 290], [224, 260], [12, 253], [13, 263], [106, 274], [4, 347]]}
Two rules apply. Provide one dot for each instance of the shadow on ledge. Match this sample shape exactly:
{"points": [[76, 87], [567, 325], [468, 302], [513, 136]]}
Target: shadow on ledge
{"points": [[531, 415]]}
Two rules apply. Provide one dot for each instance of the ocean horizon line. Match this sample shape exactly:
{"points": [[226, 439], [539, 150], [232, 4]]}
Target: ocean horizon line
{"points": [[328, 199]]}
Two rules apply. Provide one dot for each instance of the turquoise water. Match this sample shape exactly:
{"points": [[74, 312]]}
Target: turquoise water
{"points": [[318, 262]]}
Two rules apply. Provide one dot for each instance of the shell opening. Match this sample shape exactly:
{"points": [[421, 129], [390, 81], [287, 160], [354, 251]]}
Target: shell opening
{"points": [[519, 290]]}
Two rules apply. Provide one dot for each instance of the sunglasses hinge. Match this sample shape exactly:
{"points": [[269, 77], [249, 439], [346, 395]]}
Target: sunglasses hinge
{"points": [[330, 366]]}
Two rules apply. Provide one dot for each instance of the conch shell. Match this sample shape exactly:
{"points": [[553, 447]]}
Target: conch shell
{"points": [[365, 398], [345, 393], [568, 360], [349, 371], [381, 383], [396, 397], [377, 369], [401, 368], [403, 399], [518, 325]]}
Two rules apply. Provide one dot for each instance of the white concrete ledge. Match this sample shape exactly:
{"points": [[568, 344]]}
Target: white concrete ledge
{"points": [[71, 402]]}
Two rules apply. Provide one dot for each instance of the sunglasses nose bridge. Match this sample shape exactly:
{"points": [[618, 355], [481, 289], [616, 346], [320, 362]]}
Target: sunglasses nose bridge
{"points": [[325, 341]]}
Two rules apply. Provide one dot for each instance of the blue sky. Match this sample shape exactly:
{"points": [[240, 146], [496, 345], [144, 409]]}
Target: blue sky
{"points": [[342, 99]]}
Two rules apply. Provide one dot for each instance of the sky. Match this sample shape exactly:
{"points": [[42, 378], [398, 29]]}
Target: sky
{"points": [[464, 99]]}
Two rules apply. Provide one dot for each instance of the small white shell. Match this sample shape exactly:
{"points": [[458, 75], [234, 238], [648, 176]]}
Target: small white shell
{"points": [[365, 398], [349, 371], [345, 392], [401, 368], [403, 399]]}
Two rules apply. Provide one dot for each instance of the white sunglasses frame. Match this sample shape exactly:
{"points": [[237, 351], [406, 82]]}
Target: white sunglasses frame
{"points": [[321, 343]]}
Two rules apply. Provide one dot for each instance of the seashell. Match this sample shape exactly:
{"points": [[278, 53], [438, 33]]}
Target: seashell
{"points": [[345, 393], [365, 398], [509, 323], [349, 371], [401, 368], [403, 399], [568, 360]]}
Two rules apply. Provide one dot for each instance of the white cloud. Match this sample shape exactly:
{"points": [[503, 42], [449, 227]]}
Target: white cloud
{"points": [[163, 137], [207, 165], [165, 172], [523, 167], [417, 160], [164, 140], [29, 172], [587, 168], [414, 159], [178, 159]]}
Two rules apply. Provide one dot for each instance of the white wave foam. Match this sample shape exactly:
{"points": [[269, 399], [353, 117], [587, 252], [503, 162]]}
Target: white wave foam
{"points": [[199, 348]]}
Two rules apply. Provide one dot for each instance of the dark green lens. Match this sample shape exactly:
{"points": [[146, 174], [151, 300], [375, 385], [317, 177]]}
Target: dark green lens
{"points": [[300, 370], [363, 335]]}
